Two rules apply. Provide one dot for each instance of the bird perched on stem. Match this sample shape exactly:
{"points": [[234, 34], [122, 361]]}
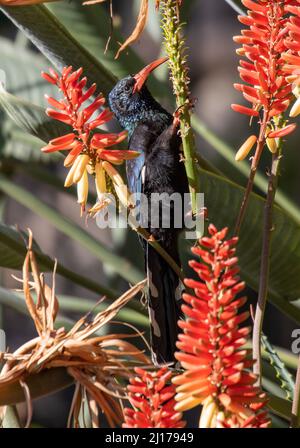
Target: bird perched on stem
{"points": [[154, 133]]}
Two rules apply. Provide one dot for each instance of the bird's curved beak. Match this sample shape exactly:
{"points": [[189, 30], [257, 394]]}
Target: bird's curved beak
{"points": [[141, 77]]}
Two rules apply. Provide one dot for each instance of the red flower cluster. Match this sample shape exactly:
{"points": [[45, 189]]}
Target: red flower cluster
{"points": [[88, 148], [263, 43], [152, 400], [292, 56], [69, 111], [212, 354]]}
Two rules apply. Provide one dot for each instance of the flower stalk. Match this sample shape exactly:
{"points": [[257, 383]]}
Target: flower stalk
{"points": [[175, 48], [265, 262], [254, 165]]}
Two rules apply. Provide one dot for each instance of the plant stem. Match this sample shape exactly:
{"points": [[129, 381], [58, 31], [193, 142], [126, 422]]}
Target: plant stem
{"points": [[255, 161], [295, 419], [265, 263], [174, 44]]}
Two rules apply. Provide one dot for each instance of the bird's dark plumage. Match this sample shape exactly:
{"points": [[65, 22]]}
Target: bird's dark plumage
{"points": [[158, 169]]}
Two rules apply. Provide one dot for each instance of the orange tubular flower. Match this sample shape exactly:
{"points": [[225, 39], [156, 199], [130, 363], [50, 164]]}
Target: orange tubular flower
{"points": [[88, 149], [292, 56], [211, 345], [264, 41], [152, 401]]}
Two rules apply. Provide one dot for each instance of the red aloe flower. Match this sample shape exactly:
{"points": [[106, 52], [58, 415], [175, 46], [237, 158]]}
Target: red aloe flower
{"points": [[266, 87], [211, 345], [88, 148], [263, 44], [152, 400], [292, 56]]}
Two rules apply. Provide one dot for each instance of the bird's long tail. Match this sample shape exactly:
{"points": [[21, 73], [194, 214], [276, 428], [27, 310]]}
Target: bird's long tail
{"points": [[164, 294]]}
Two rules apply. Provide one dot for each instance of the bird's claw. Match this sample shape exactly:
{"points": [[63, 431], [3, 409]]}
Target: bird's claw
{"points": [[176, 116]]}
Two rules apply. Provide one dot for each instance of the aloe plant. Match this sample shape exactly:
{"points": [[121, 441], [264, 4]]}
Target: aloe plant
{"points": [[70, 34]]}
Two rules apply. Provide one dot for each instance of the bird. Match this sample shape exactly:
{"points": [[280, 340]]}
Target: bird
{"points": [[154, 132]]}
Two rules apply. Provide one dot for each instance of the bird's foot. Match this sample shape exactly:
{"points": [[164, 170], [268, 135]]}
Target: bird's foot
{"points": [[176, 116]]}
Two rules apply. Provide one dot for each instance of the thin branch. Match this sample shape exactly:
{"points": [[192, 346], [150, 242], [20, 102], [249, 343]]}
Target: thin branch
{"points": [[111, 26], [265, 263], [254, 165]]}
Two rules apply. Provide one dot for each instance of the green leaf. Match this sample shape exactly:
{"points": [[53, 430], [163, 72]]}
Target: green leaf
{"points": [[13, 249], [31, 118], [280, 407], [40, 384], [57, 44], [80, 305], [21, 146], [223, 199], [30, 87], [118, 264], [15, 60], [284, 376]]}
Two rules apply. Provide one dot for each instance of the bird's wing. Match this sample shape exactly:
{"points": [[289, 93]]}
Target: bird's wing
{"points": [[141, 140]]}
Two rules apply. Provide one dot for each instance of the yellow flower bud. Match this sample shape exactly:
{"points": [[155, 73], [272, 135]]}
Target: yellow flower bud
{"points": [[123, 194], [100, 180], [245, 148], [113, 173], [296, 90], [271, 142], [187, 402], [272, 145], [81, 167], [70, 176], [83, 190], [208, 414], [295, 110]]}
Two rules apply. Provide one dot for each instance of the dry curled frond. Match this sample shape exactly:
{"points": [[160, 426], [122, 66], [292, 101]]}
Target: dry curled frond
{"points": [[212, 345], [94, 361], [139, 27]]}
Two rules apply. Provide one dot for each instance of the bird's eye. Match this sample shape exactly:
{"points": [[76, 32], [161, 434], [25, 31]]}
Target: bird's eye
{"points": [[128, 88]]}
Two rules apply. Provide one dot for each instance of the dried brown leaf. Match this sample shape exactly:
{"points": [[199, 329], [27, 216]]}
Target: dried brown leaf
{"points": [[94, 412], [139, 27], [94, 361]]}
